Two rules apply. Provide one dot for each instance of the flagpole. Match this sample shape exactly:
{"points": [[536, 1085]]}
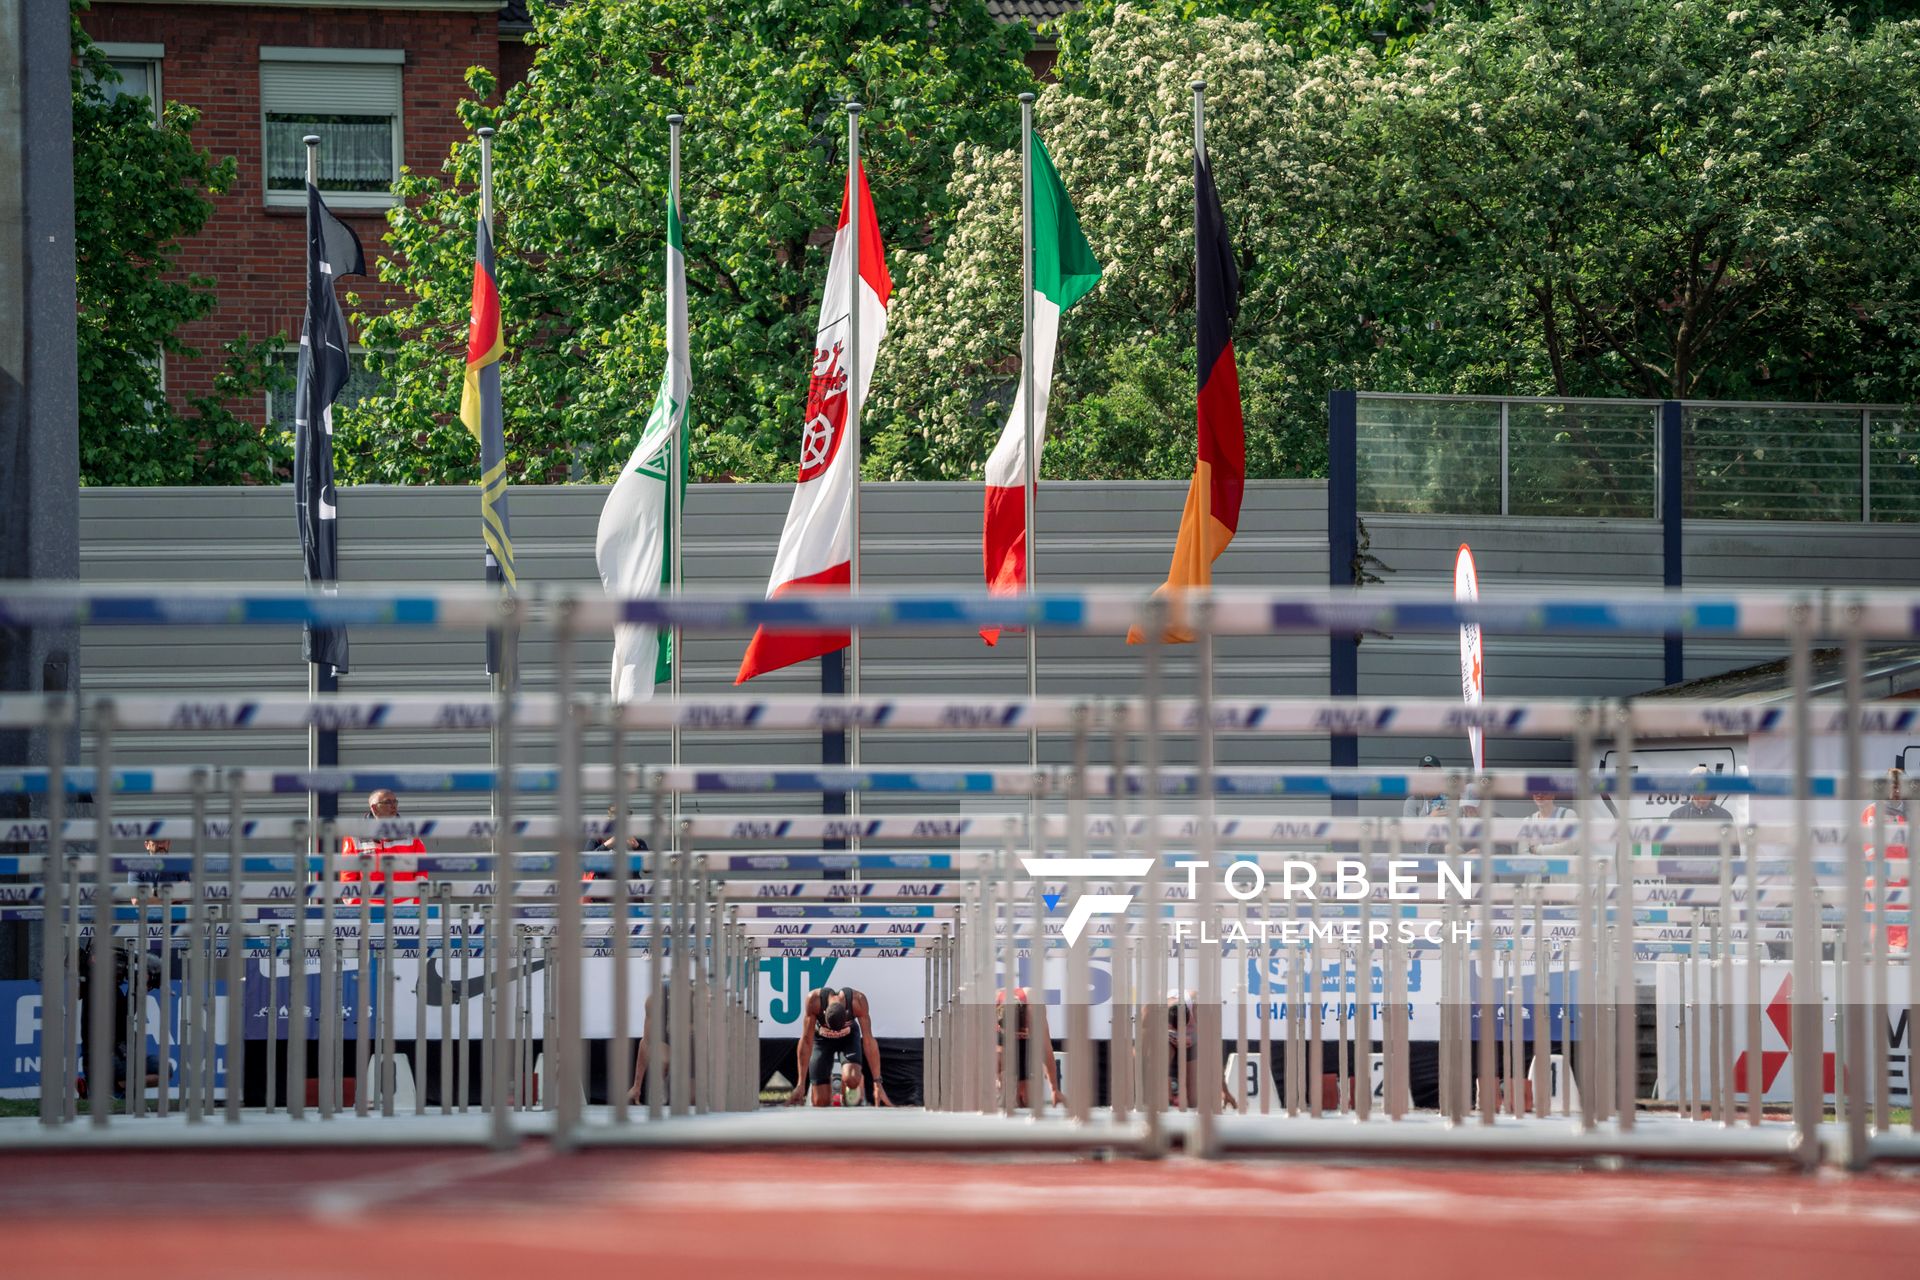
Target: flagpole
{"points": [[853, 419], [502, 678], [312, 142], [1032, 488], [676, 654], [1200, 151]]}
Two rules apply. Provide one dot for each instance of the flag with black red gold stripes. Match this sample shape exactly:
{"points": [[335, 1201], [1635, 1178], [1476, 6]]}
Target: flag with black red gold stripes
{"points": [[480, 410]]}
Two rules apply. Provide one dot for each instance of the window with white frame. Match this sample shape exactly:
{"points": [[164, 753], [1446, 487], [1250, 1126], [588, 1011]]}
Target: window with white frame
{"points": [[350, 98], [138, 66], [361, 383]]}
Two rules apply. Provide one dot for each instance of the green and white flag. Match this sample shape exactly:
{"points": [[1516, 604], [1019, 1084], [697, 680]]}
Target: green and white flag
{"points": [[634, 548]]}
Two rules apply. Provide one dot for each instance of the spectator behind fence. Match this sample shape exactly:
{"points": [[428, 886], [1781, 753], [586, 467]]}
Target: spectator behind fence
{"points": [[1700, 806], [146, 882], [1548, 809], [1893, 814], [1417, 805], [383, 805], [605, 845]]}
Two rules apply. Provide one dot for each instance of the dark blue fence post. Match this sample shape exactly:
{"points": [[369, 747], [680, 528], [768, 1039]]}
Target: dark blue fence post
{"points": [[326, 752], [833, 742], [1672, 512], [1343, 549]]}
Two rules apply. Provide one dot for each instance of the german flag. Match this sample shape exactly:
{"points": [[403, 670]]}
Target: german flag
{"points": [[480, 410], [1220, 470]]}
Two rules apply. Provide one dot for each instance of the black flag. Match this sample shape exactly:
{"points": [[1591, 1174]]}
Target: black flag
{"points": [[332, 251]]}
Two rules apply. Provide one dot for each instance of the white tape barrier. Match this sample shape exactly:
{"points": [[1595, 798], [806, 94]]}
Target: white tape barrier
{"points": [[1409, 716], [1287, 831]]}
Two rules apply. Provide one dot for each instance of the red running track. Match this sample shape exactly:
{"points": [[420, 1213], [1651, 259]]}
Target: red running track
{"points": [[534, 1214]]}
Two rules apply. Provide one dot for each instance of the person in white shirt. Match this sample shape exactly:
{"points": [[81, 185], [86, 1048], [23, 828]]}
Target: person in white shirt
{"points": [[1547, 808]]}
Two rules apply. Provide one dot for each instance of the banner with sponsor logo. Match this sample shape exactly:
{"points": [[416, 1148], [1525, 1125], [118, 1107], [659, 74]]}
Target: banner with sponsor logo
{"points": [[1774, 1061]]}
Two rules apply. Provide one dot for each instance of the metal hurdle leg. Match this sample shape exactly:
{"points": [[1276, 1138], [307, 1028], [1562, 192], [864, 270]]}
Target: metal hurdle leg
{"points": [[71, 1047], [1183, 1029], [1397, 1044], [620, 926], [929, 1034], [1852, 1080], [1123, 1062], [1512, 1073], [1267, 1073], [1315, 996], [1206, 1091], [165, 1028], [443, 907], [1683, 1022], [137, 1012], [700, 980], [362, 1042], [1882, 1100], [100, 981], [500, 923], [1807, 1012], [1079, 1084], [1039, 1048], [297, 1011], [1724, 1098], [1239, 969], [1568, 1014], [236, 956], [659, 921], [423, 948], [273, 1015], [1008, 1019], [1577, 989], [1154, 950], [1750, 857], [1487, 1034], [1296, 1057], [330, 972], [1343, 1050], [680, 1001], [549, 1027], [389, 992], [1627, 1001], [1361, 1081], [529, 972], [1396, 1040], [462, 1050], [55, 981], [565, 1059], [1542, 1073]]}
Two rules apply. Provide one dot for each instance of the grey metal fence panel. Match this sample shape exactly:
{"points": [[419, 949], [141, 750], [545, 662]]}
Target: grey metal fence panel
{"points": [[1511, 554], [915, 535]]}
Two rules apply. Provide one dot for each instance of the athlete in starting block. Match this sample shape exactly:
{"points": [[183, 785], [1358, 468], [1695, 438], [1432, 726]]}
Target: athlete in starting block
{"points": [[836, 1030]]}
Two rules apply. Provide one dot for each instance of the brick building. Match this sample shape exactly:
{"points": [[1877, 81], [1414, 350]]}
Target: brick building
{"points": [[378, 80]]}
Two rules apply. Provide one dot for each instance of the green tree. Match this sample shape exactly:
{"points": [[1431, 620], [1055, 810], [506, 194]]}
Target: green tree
{"points": [[1617, 198], [140, 187], [580, 186]]}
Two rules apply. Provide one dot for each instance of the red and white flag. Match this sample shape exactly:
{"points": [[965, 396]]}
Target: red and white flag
{"points": [[1473, 672], [816, 547]]}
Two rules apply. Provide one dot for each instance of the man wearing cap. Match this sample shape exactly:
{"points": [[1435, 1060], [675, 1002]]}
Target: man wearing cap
{"points": [[1419, 806], [1701, 805]]}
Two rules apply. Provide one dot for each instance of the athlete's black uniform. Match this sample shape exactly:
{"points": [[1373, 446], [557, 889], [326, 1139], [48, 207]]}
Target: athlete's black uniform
{"points": [[830, 1047]]}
